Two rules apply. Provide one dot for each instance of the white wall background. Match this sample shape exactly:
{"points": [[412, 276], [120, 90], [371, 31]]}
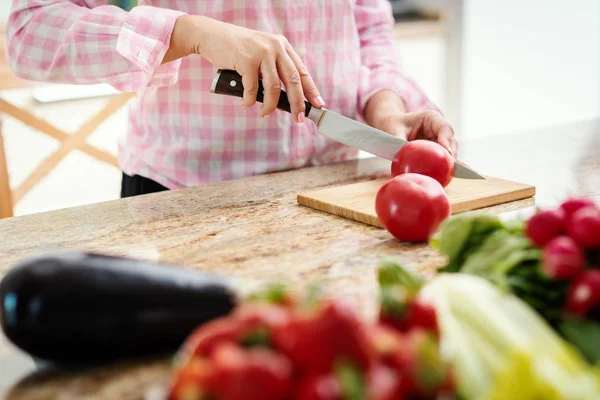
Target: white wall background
{"points": [[5, 6], [529, 63]]}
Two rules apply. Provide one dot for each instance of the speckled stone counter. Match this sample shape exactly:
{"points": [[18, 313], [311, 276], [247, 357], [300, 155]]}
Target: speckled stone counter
{"points": [[254, 228]]}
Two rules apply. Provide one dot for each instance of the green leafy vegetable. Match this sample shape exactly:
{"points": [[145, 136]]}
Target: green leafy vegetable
{"points": [[584, 334], [482, 245], [463, 234]]}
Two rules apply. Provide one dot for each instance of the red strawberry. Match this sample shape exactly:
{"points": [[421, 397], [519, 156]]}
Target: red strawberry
{"points": [[250, 323], [331, 332], [416, 314], [206, 337], [383, 384], [257, 373], [319, 387], [386, 341], [190, 380], [419, 363]]}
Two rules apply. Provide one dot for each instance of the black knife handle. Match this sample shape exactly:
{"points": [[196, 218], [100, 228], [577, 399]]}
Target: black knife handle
{"points": [[228, 82], [83, 308]]}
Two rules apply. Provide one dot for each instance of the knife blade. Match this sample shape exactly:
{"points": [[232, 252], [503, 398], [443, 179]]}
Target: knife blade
{"points": [[331, 124]]}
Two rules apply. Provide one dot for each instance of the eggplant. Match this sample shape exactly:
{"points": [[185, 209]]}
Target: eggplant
{"points": [[79, 308]]}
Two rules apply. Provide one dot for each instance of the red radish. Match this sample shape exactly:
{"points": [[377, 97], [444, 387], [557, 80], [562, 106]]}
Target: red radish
{"points": [[545, 225], [584, 227], [570, 206], [584, 293], [426, 158], [562, 258]]}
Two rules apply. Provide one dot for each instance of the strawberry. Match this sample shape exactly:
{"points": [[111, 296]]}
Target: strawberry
{"points": [[250, 324], [384, 384], [256, 373], [319, 387], [418, 361], [386, 341], [190, 380], [206, 337], [315, 339], [415, 314]]}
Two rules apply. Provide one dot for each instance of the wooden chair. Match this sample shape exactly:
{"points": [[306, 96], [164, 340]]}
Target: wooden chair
{"points": [[69, 142]]}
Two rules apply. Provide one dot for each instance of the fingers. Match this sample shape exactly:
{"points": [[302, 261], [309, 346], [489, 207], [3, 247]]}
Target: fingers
{"points": [[250, 82], [308, 85], [276, 63], [293, 86], [439, 129], [446, 139], [272, 87]]}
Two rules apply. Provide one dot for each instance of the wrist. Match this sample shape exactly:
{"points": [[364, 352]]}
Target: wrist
{"points": [[179, 44], [382, 107]]}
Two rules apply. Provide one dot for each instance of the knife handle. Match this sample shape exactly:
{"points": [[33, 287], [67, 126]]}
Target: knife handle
{"points": [[229, 83]]}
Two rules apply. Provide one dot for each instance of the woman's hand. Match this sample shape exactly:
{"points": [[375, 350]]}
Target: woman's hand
{"points": [[386, 111], [252, 54]]}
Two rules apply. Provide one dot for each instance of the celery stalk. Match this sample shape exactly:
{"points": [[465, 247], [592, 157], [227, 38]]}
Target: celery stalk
{"points": [[501, 348]]}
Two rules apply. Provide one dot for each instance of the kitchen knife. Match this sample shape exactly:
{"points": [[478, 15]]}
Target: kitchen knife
{"points": [[332, 125], [79, 308]]}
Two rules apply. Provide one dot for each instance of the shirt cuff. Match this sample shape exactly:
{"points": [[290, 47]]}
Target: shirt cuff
{"points": [[374, 81], [144, 40]]}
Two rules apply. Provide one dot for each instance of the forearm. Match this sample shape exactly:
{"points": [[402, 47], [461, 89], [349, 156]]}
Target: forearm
{"points": [[87, 42]]}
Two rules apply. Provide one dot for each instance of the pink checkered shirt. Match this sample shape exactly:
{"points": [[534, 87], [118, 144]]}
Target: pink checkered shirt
{"points": [[180, 134]]}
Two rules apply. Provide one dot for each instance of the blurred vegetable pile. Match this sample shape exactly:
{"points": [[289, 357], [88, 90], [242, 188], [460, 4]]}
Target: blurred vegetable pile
{"points": [[551, 261], [279, 346]]}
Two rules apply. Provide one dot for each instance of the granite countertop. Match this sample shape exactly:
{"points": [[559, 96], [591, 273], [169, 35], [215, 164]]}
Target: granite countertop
{"points": [[254, 228]]}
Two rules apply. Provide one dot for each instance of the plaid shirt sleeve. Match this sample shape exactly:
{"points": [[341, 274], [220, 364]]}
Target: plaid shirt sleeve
{"points": [[89, 42], [380, 69]]}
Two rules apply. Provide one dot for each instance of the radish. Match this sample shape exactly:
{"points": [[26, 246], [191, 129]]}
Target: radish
{"points": [[584, 293], [545, 225], [584, 227], [562, 258], [570, 206]]}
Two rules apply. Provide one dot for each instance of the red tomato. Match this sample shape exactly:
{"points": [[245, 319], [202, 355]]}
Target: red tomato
{"points": [[412, 207], [426, 158]]}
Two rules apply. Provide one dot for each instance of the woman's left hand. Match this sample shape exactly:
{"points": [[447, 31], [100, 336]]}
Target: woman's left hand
{"points": [[429, 125], [385, 111]]}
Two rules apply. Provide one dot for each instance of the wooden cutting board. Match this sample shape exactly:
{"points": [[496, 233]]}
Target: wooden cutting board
{"points": [[357, 201]]}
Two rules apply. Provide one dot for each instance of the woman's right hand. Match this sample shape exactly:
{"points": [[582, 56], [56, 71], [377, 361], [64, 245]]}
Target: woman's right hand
{"points": [[252, 54]]}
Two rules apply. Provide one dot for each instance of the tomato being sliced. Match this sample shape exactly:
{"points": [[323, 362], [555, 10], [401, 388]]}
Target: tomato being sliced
{"points": [[426, 158], [412, 206]]}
